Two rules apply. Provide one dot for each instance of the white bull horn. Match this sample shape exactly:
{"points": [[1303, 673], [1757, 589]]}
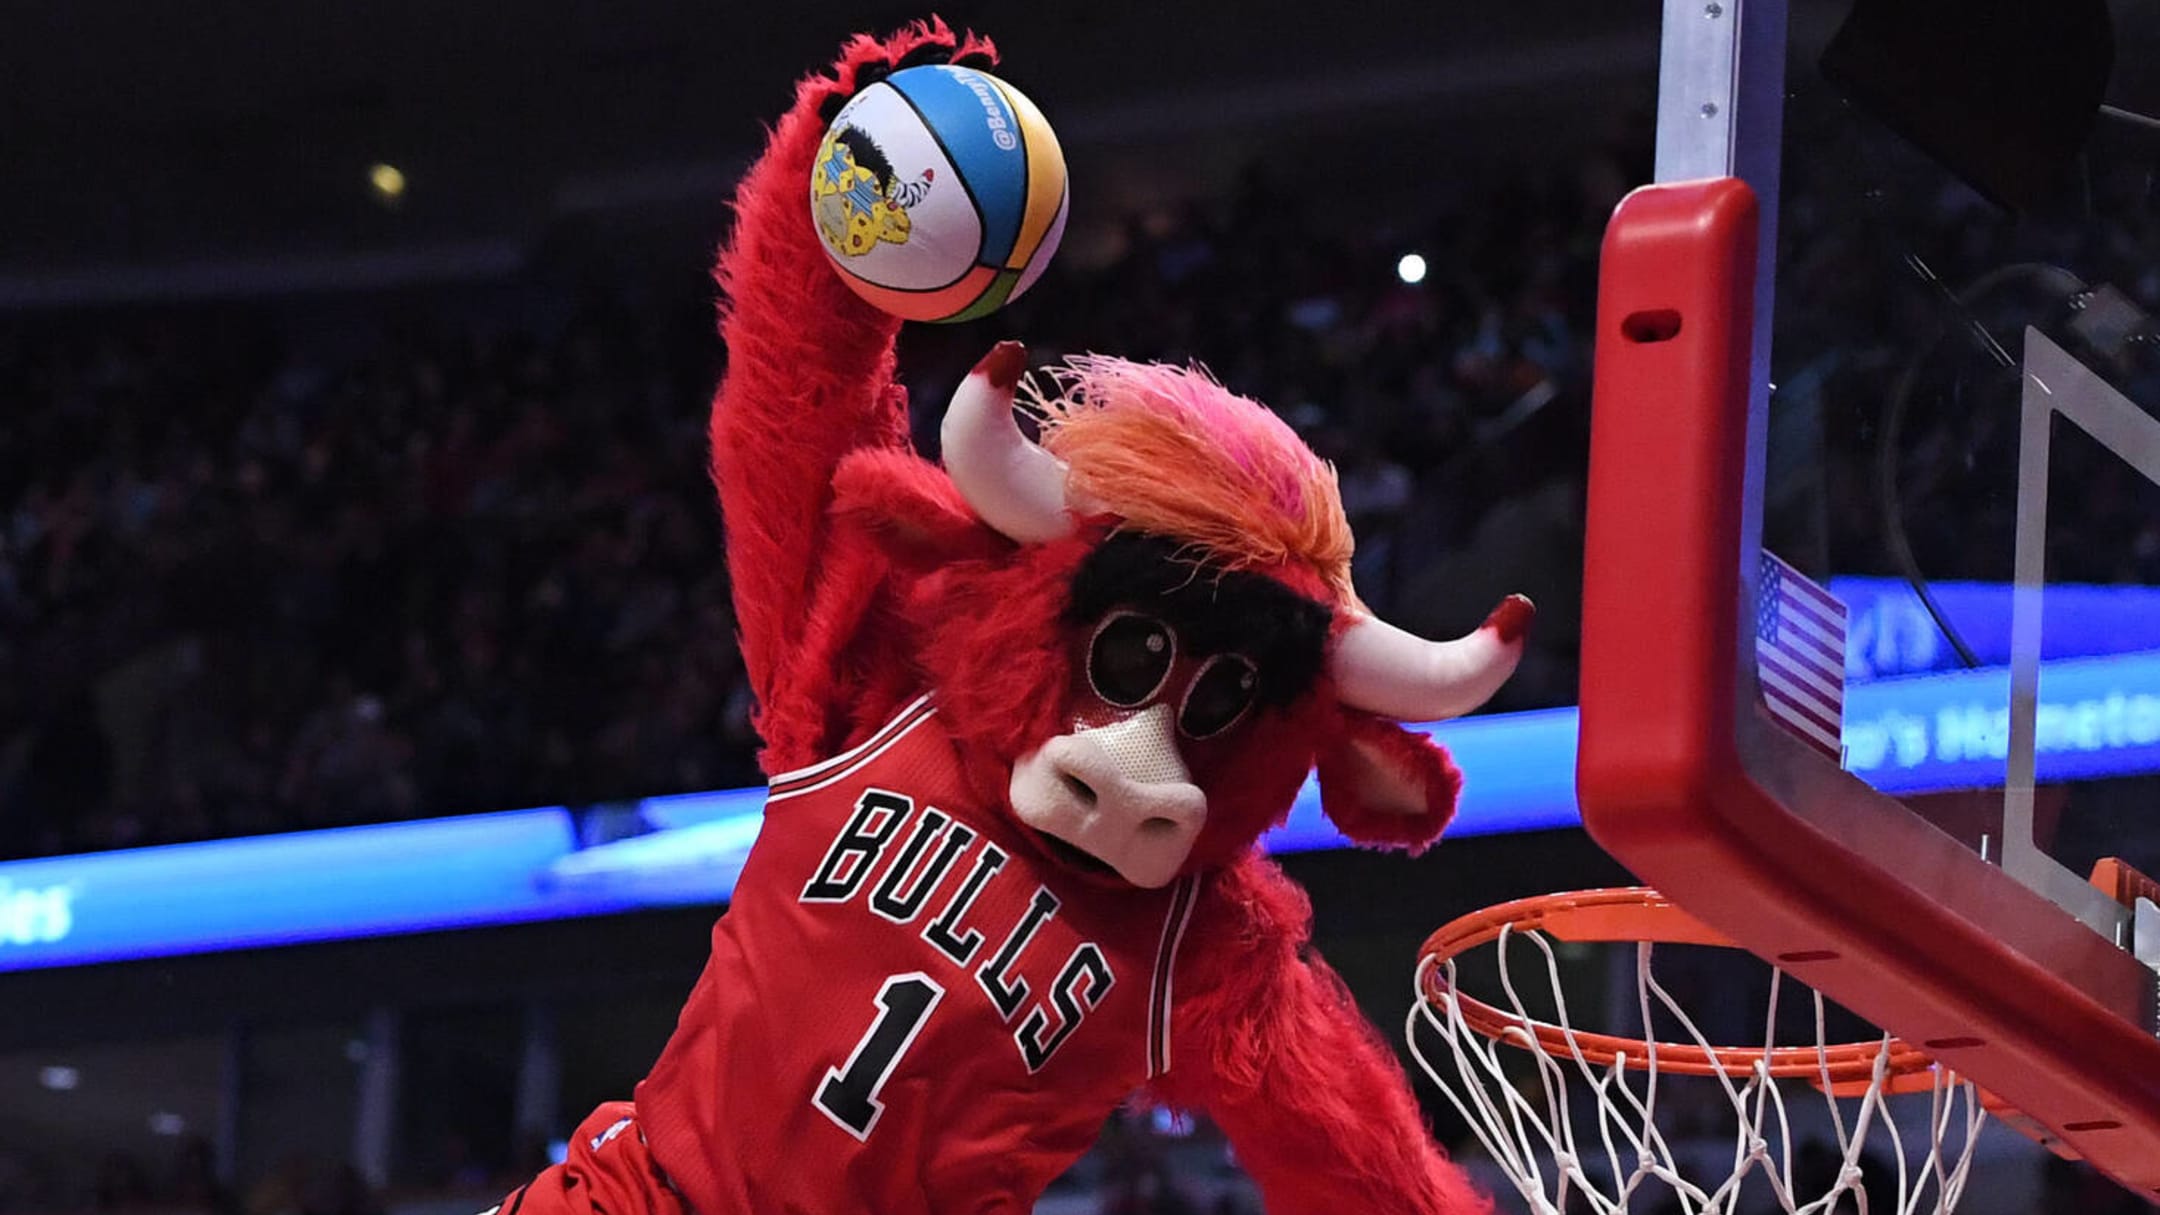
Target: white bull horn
{"points": [[1013, 485], [1382, 669]]}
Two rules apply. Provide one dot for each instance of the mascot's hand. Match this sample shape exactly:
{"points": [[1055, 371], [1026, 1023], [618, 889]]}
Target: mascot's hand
{"points": [[775, 237], [867, 60], [802, 344]]}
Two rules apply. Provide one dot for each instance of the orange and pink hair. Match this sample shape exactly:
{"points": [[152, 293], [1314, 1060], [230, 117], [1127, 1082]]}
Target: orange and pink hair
{"points": [[1172, 452]]}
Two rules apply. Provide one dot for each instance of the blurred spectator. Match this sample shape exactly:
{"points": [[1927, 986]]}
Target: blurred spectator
{"points": [[194, 1187], [122, 1184], [257, 577], [253, 581], [340, 1191]]}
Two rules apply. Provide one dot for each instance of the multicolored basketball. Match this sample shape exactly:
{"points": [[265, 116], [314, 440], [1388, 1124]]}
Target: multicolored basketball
{"points": [[939, 193]]}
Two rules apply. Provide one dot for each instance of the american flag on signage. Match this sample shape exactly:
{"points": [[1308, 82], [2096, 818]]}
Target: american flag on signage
{"points": [[1800, 656]]}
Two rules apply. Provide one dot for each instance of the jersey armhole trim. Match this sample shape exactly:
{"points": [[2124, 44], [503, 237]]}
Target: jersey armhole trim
{"points": [[825, 772]]}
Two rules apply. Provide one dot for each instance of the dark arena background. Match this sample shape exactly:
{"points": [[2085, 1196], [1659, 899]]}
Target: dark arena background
{"points": [[375, 753]]}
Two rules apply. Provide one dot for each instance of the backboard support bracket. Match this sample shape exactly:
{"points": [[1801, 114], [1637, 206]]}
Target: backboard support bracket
{"points": [[1721, 113]]}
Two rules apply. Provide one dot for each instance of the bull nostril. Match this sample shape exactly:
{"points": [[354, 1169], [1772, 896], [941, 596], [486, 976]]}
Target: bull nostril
{"points": [[1080, 788], [1158, 825]]}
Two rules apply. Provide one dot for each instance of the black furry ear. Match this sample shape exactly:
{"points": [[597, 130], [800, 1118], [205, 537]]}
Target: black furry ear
{"points": [[928, 52], [940, 45]]}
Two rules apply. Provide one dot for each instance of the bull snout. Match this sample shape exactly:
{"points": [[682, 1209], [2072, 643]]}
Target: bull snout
{"points": [[1132, 772], [1119, 793]]}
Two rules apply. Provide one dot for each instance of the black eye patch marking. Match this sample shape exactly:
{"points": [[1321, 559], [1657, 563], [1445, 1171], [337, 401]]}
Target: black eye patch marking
{"points": [[1211, 610]]}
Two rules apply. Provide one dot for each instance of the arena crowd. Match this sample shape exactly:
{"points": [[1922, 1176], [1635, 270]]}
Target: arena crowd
{"points": [[253, 579], [249, 583]]}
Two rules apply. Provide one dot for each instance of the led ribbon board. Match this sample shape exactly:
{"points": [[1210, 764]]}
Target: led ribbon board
{"points": [[2097, 718], [1890, 634]]}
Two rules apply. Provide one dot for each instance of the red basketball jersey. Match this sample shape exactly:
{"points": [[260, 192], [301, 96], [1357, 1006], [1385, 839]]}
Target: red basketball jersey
{"points": [[908, 1006]]}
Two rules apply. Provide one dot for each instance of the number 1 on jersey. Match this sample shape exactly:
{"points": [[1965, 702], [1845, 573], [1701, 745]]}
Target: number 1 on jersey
{"points": [[849, 1095]]}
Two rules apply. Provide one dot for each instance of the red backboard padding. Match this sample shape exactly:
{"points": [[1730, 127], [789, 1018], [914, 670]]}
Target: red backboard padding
{"points": [[1683, 780]]}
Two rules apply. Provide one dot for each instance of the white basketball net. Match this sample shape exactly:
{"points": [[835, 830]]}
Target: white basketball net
{"points": [[1592, 1141]]}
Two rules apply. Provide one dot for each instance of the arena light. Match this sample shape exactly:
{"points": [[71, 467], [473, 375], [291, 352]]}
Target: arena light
{"points": [[387, 180], [59, 1079], [1411, 269]]}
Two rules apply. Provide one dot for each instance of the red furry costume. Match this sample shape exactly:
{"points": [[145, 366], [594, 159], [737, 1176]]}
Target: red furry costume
{"points": [[949, 958]]}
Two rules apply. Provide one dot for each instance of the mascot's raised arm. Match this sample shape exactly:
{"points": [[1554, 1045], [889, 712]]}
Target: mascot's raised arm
{"points": [[1026, 717]]}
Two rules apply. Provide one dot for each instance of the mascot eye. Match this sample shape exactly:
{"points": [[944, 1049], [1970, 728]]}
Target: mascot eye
{"points": [[1129, 658], [1225, 688]]}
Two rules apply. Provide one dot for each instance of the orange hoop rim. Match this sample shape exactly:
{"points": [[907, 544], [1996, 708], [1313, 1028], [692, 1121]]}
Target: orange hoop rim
{"points": [[1642, 915]]}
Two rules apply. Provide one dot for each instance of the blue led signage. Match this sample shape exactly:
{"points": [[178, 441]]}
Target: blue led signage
{"points": [[2097, 718]]}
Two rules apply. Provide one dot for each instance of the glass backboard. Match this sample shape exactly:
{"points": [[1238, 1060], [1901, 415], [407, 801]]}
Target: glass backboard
{"points": [[1878, 447], [1961, 439]]}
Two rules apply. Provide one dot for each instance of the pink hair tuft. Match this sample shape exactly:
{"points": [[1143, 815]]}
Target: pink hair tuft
{"points": [[1172, 452]]}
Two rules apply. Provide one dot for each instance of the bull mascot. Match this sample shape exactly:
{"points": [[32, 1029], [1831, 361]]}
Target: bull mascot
{"points": [[1027, 716]]}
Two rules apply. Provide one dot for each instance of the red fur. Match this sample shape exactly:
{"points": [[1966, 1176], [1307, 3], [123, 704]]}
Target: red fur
{"points": [[1386, 786], [1251, 777], [861, 578], [809, 380], [1266, 1039], [912, 509], [989, 636], [994, 643]]}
